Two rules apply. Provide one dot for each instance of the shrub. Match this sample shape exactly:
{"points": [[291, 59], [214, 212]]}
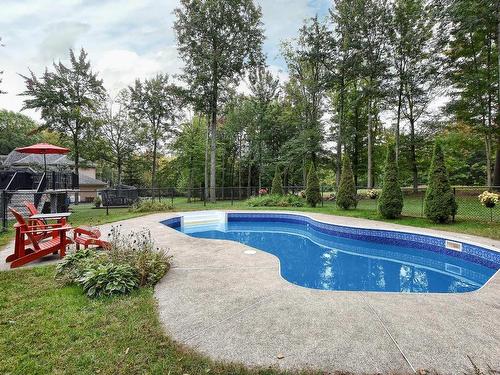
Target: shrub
{"points": [[313, 194], [108, 280], [271, 200], [440, 202], [390, 203], [150, 205], [277, 187], [132, 261], [74, 264], [137, 249], [97, 202], [346, 196]]}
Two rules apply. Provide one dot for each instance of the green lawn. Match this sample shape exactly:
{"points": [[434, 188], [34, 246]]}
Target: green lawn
{"points": [[50, 329]]}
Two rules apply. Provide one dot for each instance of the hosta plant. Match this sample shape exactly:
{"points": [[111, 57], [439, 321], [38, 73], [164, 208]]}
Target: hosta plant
{"points": [[109, 280]]}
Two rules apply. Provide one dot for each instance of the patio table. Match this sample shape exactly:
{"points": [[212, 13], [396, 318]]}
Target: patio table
{"points": [[60, 217]]}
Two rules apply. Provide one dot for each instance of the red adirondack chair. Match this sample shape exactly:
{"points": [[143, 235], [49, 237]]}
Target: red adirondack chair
{"points": [[88, 236], [32, 242], [82, 235]]}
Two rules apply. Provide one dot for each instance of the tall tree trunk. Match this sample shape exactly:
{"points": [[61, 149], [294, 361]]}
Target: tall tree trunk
{"points": [[398, 120], [239, 167], [207, 140], [153, 169], [496, 174], [223, 174], [76, 147], [487, 146], [370, 147], [413, 155], [190, 184], [249, 179], [119, 166], [339, 133], [213, 156], [413, 152]]}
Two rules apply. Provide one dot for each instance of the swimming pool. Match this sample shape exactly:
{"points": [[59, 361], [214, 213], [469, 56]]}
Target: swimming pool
{"points": [[319, 255]]}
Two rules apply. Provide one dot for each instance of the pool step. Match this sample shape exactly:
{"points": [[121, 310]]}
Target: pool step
{"points": [[204, 218]]}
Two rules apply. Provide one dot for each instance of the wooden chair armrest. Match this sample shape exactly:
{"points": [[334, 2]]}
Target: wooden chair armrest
{"points": [[60, 229]]}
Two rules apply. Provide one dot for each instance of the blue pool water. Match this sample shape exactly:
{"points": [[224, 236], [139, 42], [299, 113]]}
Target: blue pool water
{"points": [[313, 259]]}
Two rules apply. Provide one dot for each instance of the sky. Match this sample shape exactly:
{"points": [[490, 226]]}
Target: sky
{"points": [[125, 40]]}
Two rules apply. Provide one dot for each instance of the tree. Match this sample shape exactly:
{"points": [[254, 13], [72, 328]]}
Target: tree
{"points": [[277, 187], [313, 193], [373, 18], [68, 98], [217, 40], [473, 69], [415, 51], [189, 146], [17, 130], [390, 203], [440, 202], [346, 195], [155, 104], [119, 132], [264, 87], [307, 64]]}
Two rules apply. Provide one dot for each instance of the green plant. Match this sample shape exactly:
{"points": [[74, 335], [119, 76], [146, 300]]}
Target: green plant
{"points": [[277, 186], [271, 200], [73, 265], [440, 202], [313, 194], [346, 196], [390, 203], [108, 280], [150, 205], [97, 202], [137, 250]]}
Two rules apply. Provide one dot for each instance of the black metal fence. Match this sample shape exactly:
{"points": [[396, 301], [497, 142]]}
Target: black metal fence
{"points": [[469, 205]]}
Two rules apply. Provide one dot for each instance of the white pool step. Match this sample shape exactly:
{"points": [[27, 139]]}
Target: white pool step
{"points": [[204, 218]]}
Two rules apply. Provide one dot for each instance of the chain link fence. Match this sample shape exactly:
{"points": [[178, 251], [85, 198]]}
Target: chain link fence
{"points": [[469, 205]]}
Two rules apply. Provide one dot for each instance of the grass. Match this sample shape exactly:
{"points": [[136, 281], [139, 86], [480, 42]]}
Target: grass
{"points": [[47, 328]]}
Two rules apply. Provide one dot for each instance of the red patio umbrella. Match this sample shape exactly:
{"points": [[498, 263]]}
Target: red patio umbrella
{"points": [[43, 149]]}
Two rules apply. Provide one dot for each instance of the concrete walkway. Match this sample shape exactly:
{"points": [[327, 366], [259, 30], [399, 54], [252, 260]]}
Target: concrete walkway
{"points": [[235, 306]]}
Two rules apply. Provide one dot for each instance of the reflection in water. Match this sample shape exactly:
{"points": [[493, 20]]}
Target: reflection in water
{"points": [[315, 260]]}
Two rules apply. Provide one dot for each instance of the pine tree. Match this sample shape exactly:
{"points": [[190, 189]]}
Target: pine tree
{"points": [[346, 197], [277, 187], [439, 199], [390, 203], [313, 195]]}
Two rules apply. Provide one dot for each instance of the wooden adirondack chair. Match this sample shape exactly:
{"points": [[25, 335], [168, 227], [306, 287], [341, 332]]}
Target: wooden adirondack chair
{"points": [[82, 235], [34, 242], [88, 236]]}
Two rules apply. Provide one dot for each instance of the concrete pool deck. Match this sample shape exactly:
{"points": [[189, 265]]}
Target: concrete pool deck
{"points": [[234, 306]]}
